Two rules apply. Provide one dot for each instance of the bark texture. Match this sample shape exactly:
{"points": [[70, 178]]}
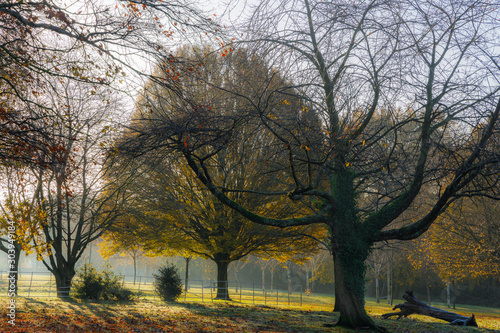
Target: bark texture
{"points": [[64, 278], [222, 283]]}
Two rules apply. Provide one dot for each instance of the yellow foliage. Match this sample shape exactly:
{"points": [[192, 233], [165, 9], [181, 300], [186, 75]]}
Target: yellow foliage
{"points": [[457, 245], [28, 221]]}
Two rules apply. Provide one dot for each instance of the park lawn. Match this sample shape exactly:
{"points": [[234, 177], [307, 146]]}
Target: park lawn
{"points": [[52, 315]]}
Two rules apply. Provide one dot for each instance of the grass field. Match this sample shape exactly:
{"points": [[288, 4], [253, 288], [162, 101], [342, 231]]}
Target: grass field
{"points": [[53, 315]]}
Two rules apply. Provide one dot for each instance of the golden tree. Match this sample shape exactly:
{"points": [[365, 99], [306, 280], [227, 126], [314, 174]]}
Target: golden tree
{"points": [[174, 202]]}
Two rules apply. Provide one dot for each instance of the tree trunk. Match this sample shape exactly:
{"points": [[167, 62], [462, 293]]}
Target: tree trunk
{"points": [[135, 267], [263, 280], [272, 279], [289, 277], [313, 277], [186, 277], [13, 256], [64, 277], [236, 281], [454, 297], [349, 298], [389, 283], [448, 296], [377, 289], [222, 262], [414, 306], [307, 280], [350, 248], [336, 307], [428, 295]]}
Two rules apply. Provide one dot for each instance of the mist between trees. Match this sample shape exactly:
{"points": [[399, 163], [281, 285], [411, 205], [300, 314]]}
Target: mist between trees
{"points": [[309, 281], [346, 126]]}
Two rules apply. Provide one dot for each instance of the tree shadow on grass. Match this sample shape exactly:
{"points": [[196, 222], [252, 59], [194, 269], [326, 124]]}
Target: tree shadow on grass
{"points": [[264, 318], [267, 318], [53, 315], [29, 300], [107, 310]]}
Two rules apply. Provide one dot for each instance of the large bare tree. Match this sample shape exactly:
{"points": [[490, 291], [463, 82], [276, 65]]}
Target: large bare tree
{"points": [[407, 93]]}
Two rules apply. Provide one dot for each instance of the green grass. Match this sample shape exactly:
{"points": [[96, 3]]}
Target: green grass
{"points": [[250, 310], [147, 315]]}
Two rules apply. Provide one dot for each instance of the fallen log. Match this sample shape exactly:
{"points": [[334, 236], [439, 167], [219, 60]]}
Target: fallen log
{"points": [[414, 306]]}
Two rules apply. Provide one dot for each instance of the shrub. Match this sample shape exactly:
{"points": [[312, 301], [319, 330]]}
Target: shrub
{"points": [[168, 283], [100, 285], [113, 287], [90, 283]]}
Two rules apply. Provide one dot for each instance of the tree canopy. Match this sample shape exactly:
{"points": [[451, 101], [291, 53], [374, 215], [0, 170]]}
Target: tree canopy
{"points": [[45, 42], [174, 209]]}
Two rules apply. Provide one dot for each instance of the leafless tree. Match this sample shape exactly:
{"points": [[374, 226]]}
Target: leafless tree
{"points": [[70, 186], [407, 93]]}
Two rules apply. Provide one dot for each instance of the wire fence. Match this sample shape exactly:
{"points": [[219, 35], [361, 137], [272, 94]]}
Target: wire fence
{"points": [[33, 284], [42, 284], [249, 293]]}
